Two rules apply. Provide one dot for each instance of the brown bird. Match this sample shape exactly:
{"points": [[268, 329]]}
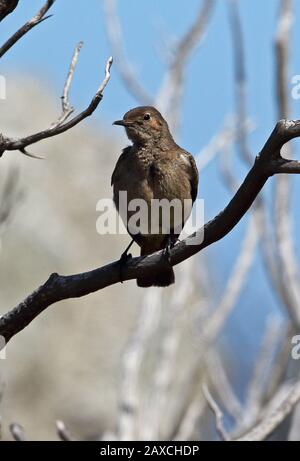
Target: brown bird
{"points": [[154, 167]]}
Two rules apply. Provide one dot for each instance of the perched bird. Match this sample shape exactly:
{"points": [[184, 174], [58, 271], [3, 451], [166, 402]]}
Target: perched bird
{"points": [[154, 167]]}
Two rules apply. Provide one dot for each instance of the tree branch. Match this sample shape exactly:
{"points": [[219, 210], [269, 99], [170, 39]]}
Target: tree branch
{"points": [[115, 38], [170, 94], [17, 431], [37, 19], [287, 261], [277, 263], [58, 287], [7, 7], [217, 412], [62, 125], [63, 433], [9, 197], [268, 424]]}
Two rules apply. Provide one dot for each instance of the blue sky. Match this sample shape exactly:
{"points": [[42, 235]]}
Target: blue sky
{"points": [[209, 96]]}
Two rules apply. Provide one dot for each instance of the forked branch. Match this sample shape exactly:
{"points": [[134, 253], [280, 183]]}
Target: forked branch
{"points": [[37, 19], [268, 163], [62, 125]]}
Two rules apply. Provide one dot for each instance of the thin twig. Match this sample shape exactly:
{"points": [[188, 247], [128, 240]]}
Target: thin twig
{"points": [[10, 196], [170, 94], [218, 376], [127, 421], [165, 371], [67, 109], [268, 425], [37, 19], [21, 144], [192, 415], [116, 42], [217, 412], [256, 388], [63, 433], [17, 431], [256, 399], [235, 283], [221, 141], [240, 78]]}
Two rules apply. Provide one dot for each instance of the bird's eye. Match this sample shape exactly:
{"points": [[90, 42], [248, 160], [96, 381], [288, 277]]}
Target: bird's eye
{"points": [[147, 117]]}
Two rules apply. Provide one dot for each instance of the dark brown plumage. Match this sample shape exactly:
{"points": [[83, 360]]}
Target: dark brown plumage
{"points": [[154, 167]]}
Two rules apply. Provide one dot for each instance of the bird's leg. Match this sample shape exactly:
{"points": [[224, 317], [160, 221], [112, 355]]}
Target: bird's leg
{"points": [[124, 258], [167, 251]]}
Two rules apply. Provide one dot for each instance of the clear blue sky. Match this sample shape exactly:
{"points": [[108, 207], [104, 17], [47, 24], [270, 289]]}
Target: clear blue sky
{"points": [[209, 96]]}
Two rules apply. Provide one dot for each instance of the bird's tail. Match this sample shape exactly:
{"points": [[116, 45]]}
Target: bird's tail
{"points": [[163, 277]]}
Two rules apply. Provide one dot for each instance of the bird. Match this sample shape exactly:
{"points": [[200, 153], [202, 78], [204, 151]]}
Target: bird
{"points": [[153, 167]]}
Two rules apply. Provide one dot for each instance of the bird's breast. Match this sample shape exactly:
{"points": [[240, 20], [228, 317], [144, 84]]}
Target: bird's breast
{"points": [[150, 177]]}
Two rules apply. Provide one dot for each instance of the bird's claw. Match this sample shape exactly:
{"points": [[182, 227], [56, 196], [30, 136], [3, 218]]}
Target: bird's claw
{"points": [[167, 253], [125, 257]]}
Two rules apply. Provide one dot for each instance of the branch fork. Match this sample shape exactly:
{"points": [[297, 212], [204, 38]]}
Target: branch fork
{"points": [[58, 287]]}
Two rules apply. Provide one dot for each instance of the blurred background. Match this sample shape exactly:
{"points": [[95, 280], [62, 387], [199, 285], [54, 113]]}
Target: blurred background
{"points": [[127, 363]]}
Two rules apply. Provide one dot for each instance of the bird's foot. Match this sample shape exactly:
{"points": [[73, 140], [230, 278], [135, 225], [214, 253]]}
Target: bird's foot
{"points": [[167, 252], [125, 257]]}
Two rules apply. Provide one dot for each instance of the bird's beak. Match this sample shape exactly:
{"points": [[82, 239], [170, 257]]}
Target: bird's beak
{"points": [[120, 122]]}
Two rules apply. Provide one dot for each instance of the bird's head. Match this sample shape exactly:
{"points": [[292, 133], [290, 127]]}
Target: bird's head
{"points": [[144, 125]]}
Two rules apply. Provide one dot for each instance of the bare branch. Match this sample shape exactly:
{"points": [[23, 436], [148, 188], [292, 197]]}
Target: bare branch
{"points": [[63, 432], [169, 97], [17, 431], [289, 267], [220, 141], [10, 195], [240, 78], [262, 373], [57, 288], [218, 376], [165, 370], [7, 144], [281, 361], [282, 39], [279, 267], [236, 281], [37, 19], [67, 109], [268, 425], [262, 365], [131, 365], [217, 412], [190, 419], [116, 41], [7, 7]]}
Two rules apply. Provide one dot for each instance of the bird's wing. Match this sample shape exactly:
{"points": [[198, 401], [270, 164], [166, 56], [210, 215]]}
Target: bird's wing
{"points": [[119, 163], [194, 175]]}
